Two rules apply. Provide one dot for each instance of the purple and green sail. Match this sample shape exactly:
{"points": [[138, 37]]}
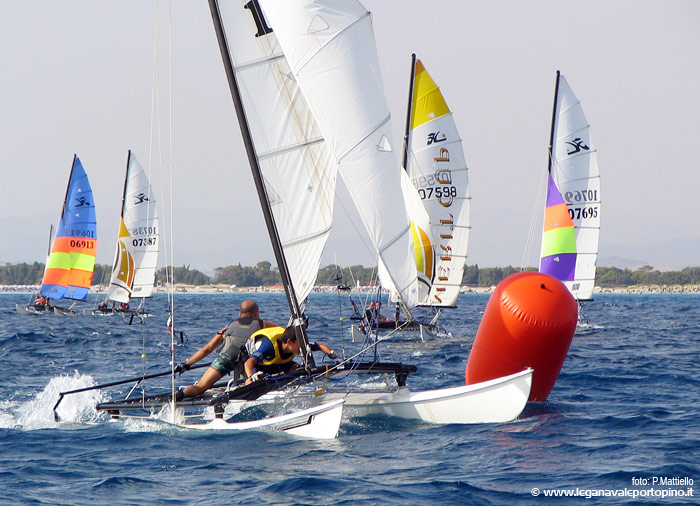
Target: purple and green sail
{"points": [[558, 255]]}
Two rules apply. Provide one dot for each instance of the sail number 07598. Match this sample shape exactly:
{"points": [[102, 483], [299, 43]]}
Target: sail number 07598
{"points": [[437, 192]]}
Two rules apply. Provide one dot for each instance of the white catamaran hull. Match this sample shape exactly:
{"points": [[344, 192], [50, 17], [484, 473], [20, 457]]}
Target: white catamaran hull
{"points": [[25, 310], [419, 333], [28, 310], [318, 422], [498, 400]]}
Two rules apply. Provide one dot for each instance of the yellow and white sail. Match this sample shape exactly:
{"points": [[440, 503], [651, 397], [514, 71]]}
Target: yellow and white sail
{"points": [[438, 170], [136, 256]]}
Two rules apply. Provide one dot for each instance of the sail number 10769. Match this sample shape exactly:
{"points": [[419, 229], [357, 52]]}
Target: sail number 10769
{"points": [[581, 196]]}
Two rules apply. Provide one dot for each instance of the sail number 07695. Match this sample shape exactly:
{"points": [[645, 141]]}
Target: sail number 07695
{"points": [[577, 213]]}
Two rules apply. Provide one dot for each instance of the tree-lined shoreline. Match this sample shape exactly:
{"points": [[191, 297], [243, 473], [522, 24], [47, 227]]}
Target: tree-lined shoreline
{"points": [[264, 274]]}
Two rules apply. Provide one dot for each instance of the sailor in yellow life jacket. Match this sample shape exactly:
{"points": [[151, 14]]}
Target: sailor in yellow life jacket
{"points": [[271, 350]]}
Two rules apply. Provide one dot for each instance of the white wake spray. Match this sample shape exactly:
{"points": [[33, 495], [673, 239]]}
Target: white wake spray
{"points": [[37, 413]]}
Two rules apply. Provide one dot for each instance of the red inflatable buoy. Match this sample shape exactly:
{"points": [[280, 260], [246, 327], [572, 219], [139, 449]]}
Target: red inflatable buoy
{"points": [[530, 321]]}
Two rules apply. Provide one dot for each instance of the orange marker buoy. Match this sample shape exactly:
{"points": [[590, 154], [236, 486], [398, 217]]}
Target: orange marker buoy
{"points": [[529, 321]]}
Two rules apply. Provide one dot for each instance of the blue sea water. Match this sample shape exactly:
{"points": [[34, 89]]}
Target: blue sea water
{"points": [[623, 416]]}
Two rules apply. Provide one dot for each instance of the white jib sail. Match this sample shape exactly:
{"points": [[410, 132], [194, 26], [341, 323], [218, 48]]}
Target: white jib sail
{"points": [[331, 50], [575, 172], [138, 239], [438, 169], [297, 166]]}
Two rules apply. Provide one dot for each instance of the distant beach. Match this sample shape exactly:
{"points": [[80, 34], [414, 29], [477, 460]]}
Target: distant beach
{"points": [[194, 289]]}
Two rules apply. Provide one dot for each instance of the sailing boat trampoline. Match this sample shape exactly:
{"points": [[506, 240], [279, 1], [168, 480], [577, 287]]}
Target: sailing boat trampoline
{"points": [[71, 261]]}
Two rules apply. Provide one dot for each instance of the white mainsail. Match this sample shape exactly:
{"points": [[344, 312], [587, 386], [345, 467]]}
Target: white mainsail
{"points": [[437, 167], [574, 171], [331, 50], [136, 257], [298, 168]]}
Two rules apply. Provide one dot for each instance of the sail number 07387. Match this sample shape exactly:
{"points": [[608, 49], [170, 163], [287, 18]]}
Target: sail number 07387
{"points": [[144, 241]]}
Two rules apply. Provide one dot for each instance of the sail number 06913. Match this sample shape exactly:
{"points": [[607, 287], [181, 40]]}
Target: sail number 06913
{"points": [[82, 244]]}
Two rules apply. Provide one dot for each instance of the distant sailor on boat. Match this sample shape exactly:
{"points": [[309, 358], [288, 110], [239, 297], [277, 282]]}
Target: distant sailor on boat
{"points": [[41, 303], [373, 314], [234, 337], [272, 351]]}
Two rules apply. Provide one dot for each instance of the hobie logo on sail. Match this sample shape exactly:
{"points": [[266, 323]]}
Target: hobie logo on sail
{"points": [[578, 145], [434, 137], [81, 201], [140, 199]]}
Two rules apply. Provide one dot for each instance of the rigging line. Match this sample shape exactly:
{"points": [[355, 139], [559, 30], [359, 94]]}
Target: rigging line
{"points": [[163, 214], [529, 245], [369, 247], [153, 118], [170, 166]]}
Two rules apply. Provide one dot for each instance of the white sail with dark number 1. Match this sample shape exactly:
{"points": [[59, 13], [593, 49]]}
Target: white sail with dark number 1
{"points": [[332, 53], [297, 167], [572, 212], [434, 160], [137, 241]]}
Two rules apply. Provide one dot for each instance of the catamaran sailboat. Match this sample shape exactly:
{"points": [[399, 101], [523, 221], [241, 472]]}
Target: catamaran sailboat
{"points": [[136, 256], [302, 115], [572, 211], [71, 261], [440, 218]]}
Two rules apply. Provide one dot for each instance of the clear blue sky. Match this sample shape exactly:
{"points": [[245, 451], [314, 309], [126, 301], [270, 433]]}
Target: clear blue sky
{"points": [[77, 77]]}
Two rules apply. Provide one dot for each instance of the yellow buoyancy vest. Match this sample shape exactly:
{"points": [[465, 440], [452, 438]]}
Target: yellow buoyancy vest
{"points": [[274, 334]]}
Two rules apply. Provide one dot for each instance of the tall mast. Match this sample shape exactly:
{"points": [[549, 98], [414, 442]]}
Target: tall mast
{"points": [[48, 253], [409, 112], [70, 179], [260, 186], [554, 119], [126, 182]]}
